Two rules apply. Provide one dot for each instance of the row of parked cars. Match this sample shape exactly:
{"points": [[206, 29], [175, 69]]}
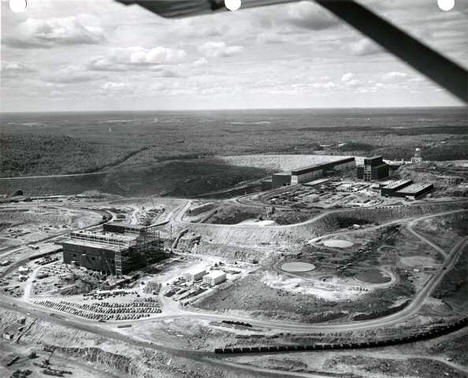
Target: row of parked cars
{"points": [[126, 311]]}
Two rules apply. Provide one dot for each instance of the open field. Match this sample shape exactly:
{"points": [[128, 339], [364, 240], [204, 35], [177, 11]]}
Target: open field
{"points": [[278, 163], [184, 178]]}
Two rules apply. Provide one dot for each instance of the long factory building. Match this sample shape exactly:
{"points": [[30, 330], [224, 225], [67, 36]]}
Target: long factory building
{"points": [[311, 172], [117, 249], [406, 188]]}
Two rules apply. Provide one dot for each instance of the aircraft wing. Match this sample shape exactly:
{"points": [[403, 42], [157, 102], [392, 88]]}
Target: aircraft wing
{"points": [[441, 70]]}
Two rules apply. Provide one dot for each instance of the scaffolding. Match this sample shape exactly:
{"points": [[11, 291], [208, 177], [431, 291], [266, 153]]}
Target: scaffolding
{"points": [[146, 250], [115, 253], [120, 240], [118, 263]]}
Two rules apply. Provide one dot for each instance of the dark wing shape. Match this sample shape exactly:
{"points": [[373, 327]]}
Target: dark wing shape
{"points": [[435, 66], [187, 8]]}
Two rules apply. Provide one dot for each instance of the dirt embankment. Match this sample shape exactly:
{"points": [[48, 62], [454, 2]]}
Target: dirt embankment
{"points": [[234, 214], [392, 367], [107, 355], [178, 178], [293, 236]]}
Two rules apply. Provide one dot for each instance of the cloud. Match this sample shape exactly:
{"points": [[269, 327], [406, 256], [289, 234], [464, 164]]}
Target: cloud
{"points": [[309, 15], [197, 28], [200, 62], [347, 76], [46, 33], [364, 47], [113, 86], [269, 37], [349, 79], [324, 85], [10, 68], [394, 77], [138, 58], [71, 75], [218, 49]]}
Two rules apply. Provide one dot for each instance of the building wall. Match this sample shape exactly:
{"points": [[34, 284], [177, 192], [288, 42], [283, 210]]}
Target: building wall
{"points": [[296, 179], [267, 185], [103, 260], [360, 172], [93, 258], [280, 180], [379, 172], [319, 172]]}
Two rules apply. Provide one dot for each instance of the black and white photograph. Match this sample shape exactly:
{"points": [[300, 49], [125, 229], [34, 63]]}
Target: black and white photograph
{"points": [[234, 188]]}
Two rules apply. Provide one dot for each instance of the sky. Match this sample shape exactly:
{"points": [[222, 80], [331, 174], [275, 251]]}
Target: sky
{"points": [[91, 55]]}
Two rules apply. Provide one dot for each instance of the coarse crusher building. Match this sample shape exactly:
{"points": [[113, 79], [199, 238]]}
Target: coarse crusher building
{"points": [[373, 168], [118, 252], [312, 172]]}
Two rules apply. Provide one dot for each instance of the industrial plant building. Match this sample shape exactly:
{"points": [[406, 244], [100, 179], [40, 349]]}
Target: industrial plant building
{"points": [[393, 187], [281, 179], [214, 278], [194, 274], [118, 252], [406, 188], [373, 168], [315, 171], [311, 172], [415, 191]]}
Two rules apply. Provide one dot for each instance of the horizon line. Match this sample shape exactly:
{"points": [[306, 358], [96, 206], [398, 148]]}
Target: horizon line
{"points": [[234, 109]]}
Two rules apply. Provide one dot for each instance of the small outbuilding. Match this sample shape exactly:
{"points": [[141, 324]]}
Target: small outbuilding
{"points": [[194, 274], [215, 277]]}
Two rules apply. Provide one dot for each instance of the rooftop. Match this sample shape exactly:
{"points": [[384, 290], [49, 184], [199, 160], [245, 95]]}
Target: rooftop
{"points": [[415, 188], [90, 244], [215, 274], [373, 157], [318, 166], [398, 183], [105, 237], [316, 182]]}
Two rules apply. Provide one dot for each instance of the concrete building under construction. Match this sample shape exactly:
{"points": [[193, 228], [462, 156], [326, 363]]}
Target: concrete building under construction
{"points": [[373, 168], [118, 252]]}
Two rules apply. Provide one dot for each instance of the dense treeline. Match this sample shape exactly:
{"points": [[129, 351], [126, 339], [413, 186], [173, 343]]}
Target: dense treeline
{"points": [[38, 144], [31, 154]]}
